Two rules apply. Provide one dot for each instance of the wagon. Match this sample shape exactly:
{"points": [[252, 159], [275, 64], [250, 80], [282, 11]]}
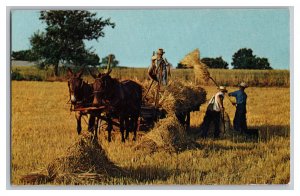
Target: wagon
{"points": [[149, 115]]}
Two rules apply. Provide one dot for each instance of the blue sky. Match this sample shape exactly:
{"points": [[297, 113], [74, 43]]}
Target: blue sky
{"points": [[216, 32]]}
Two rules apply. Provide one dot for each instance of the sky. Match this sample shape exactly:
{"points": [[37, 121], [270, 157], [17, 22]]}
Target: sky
{"points": [[216, 32]]}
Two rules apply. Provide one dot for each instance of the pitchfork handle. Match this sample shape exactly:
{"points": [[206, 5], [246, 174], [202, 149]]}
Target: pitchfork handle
{"points": [[148, 89], [213, 81], [218, 86]]}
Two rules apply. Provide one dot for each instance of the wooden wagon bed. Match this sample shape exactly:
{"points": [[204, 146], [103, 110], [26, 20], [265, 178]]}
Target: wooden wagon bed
{"points": [[149, 115]]}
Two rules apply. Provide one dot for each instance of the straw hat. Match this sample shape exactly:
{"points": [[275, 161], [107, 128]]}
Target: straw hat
{"points": [[223, 89], [243, 84], [160, 51]]}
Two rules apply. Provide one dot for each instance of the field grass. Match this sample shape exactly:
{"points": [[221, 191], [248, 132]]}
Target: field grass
{"points": [[223, 77], [43, 128]]}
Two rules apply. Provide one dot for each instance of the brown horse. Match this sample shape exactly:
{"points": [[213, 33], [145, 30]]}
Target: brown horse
{"points": [[81, 95], [122, 99]]}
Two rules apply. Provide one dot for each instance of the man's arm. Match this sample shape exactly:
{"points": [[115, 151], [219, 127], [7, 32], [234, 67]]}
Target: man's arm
{"points": [[233, 94], [152, 70]]}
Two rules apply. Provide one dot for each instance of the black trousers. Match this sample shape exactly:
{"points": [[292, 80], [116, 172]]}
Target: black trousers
{"points": [[208, 118], [239, 121]]}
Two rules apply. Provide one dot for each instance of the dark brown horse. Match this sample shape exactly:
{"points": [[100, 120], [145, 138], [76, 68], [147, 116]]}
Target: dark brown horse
{"points": [[122, 99], [81, 95]]}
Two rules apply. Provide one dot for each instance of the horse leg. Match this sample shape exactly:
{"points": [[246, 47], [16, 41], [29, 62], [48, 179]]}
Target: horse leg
{"points": [[127, 127], [135, 122], [91, 123], [109, 128], [95, 135], [122, 128], [78, 119]]}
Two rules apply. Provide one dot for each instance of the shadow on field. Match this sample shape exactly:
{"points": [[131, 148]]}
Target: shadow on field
{"points": [[267, 132], [146, 174], [209, 145], [253, 134]]}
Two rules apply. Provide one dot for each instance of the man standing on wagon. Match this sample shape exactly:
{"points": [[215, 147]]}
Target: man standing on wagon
{"points": [[239, 122], [160, 68]]}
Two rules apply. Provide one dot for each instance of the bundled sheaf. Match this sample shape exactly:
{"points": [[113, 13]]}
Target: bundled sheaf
{"points": [[177, 97], [192, 60], [168, 135], [84, 161]]}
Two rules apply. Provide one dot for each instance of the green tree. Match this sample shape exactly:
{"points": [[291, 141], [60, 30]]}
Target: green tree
{"points": [[262, 63], [244, 59], [24, 55], [180, 66], [114, 62], [92, 59], [217, 63], [63, 40]]}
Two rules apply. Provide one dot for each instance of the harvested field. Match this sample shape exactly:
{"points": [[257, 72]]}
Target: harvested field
{"points": [[50, 130]]}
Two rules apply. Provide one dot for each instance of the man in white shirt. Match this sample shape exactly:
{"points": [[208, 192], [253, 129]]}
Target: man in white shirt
{"points": [[213, 113]]}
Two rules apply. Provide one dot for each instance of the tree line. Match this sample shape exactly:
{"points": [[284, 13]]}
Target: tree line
{"points": [[62, 42], [242, 59]]}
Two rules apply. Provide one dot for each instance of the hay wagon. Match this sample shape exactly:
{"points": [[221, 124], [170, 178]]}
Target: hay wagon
{"points": [[149, 115], [177, 99]]}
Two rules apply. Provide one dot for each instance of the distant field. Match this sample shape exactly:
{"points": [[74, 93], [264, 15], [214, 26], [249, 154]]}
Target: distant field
{"points": [[43, 128], [265, 78]]}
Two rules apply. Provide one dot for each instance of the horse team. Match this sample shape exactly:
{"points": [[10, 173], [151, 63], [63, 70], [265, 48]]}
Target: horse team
{"points": [[120, 100]]}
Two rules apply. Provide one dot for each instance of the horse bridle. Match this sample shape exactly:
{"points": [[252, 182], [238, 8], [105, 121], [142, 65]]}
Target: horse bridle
{"points": [[94, 91], [99, 91], [70, 91]]}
